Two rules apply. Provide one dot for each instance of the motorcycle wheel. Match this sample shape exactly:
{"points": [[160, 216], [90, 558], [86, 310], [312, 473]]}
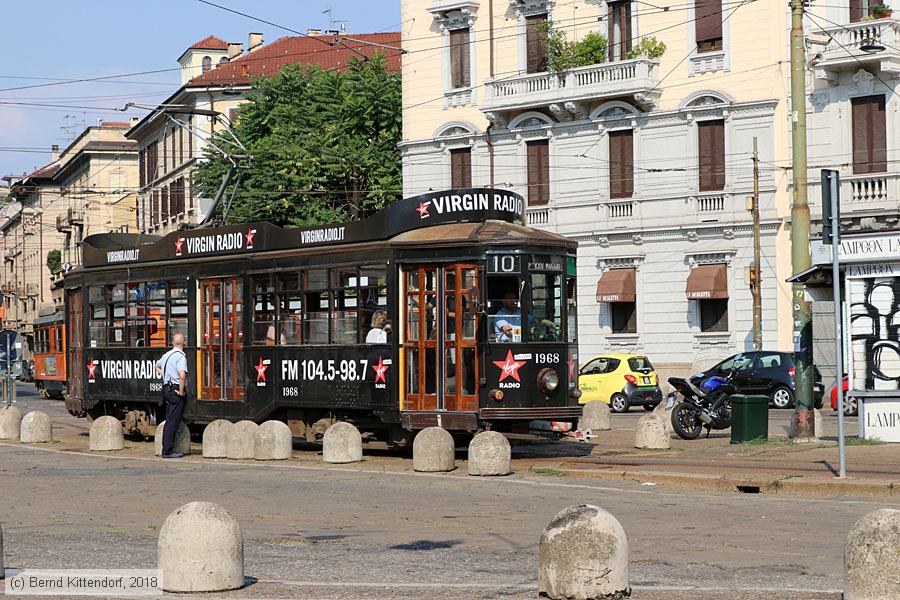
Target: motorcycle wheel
{"points": [[685, 422]]}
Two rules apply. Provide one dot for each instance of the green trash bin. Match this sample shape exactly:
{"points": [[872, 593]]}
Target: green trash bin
{"points": [[749, 418]]}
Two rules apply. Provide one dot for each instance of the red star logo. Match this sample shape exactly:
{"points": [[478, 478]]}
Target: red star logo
{"points": [[509, 367], [178, 244], [380, 369], [249, 235], [260, 370], [423, 210], [92, 369]]}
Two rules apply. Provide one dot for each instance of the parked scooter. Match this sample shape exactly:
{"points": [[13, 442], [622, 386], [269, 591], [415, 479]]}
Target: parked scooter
{"points": [[708, 405]]}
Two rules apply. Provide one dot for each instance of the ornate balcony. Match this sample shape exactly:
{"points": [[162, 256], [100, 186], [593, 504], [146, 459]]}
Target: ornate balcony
{"points": [[568, 94], [72, 216], [869, 44], [869, 193]]}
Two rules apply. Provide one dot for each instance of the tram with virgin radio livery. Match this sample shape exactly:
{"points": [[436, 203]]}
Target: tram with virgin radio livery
{"points": [[442, 309]]}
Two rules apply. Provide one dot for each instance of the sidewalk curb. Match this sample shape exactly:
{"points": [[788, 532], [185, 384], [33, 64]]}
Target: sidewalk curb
{"points": [[786, 486]]}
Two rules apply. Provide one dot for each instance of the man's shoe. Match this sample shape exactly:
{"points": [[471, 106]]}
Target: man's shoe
{"points": [[173, 455]]}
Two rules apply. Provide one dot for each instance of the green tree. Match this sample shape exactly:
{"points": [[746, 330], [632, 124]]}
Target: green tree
{"points": [[323, 146], [54, 260]]}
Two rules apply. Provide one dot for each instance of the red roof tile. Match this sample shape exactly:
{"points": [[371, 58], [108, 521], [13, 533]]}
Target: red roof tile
{"points": [[210, 43], [115, 124], [266, 61]]}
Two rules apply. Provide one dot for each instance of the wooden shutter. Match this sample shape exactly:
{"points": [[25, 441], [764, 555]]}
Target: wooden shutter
{"points": [[708, 20], [869, 138], [536, 43], [461, 168], [857, 10], [154, 207], [711, 153], [619, 29], [142, 165], [164, 210], [538, 172], [621, 164], [460, 66]]}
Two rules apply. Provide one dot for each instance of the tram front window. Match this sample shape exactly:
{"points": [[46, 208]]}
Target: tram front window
{"points": [[505, 309], [545, 319]]}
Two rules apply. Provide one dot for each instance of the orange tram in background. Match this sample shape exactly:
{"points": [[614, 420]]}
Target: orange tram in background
{"points": [[49, 351], [442, 309]]}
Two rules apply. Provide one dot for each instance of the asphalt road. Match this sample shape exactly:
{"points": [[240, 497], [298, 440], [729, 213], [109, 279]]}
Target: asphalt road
{"points": [[378, 530]]}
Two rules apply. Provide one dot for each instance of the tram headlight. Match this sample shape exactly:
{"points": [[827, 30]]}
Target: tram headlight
{"points": [[548, 381], [496, 395]]}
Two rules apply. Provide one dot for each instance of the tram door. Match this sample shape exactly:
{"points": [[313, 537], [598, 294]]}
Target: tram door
{"points": [[439, 341], [221, 338]]}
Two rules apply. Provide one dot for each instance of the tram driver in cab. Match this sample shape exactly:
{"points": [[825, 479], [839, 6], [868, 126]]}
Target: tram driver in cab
{"points": [[507, 322]]}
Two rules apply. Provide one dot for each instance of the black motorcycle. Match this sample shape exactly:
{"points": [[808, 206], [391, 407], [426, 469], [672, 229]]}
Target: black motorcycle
{"points": [[707, 405]]}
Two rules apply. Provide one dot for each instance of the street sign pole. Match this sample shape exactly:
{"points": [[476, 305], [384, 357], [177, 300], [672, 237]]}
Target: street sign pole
{"points": [[831, 234]]}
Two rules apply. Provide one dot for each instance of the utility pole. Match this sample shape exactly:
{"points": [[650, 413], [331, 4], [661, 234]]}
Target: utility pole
{"points": [[756, 278], [802, 424]]}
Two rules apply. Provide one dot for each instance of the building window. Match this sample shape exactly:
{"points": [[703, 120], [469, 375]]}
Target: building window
{"points": [[713, 314], [708, 25], [206, 64], [860, 9], [460, 63], [164, 211], [538, 172], [621, 164], [536, 30], [142, 173], [461, 168], [869, 138], [151, 161], [711, 152], [619, 32], [623, 317]]}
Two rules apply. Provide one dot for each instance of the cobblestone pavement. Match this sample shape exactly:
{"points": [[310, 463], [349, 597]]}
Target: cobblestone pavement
{"points": [[377, 530]]}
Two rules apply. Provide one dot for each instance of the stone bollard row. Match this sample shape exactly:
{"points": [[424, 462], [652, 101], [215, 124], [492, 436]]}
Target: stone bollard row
{"points": [[36, 428], [241, 440], [342, 443], [274, 441], [583, 555], [215, 439], [182, 439], [10, 422], [872, 557], [201, 549], [490, 454], [107, 435], [434, 451], [652, 433], [595, 416]]}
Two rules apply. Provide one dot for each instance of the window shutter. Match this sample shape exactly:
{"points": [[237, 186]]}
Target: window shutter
{"points": [[869, 137], [711, 154], [708, 20], [459, 59], [861, 140], [141, 166], [877, 136], [461, 168], [164, 210], [538, 172], [857, 10], [619, 29], [621, 164], [536, 43]]}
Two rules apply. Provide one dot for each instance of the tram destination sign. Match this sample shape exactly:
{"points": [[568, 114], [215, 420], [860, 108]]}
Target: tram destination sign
{"points": [[434, 208]]}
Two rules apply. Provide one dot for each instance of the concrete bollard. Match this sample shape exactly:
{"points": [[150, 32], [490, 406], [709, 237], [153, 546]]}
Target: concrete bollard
{"points": [[342, 443], [215, 439], [182, 439], [36, 428], [434, 451], [241, 440], [595, 416], [872, 557], [107, 435], [666, 415], [273, 441], [583, 555], [201, 549], [10, 422], [818, 424], [490, 454], [651, 433]]}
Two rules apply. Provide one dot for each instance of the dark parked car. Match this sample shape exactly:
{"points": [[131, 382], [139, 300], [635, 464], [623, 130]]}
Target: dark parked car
{"points": [[768, 373]]}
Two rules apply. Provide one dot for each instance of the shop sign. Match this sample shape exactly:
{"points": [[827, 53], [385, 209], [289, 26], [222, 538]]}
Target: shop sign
{"points": [[880, 419]]}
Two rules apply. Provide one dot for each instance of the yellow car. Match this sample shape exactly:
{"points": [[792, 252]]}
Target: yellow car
{"points": [[620, 380]]}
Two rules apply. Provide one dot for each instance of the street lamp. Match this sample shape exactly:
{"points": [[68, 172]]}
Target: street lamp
{"points": [[871, 46]]}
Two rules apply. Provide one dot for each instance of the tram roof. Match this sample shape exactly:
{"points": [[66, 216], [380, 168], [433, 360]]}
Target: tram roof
{"points": [[451, 216]]}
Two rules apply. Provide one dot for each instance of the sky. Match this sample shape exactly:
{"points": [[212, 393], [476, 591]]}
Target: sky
{"points": [[61, 40]]}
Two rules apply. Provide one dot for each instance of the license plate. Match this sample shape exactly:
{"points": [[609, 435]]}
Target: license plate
{"points": [[670, 402], [647, 380]]}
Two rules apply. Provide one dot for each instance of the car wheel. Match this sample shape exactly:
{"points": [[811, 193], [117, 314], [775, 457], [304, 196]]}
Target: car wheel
{"points": [[850, 407], [782, 397], [618, 403]]}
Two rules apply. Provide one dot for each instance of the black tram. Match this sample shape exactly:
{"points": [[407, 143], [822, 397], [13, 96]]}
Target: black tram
{"points": [[440, 310]]}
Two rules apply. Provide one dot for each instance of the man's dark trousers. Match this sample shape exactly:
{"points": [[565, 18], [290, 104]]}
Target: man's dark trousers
{"points": [[174, 412]]}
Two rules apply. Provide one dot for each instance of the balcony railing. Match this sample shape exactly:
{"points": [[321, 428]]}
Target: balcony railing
{"points": [[72, 216], [583, 83], [32, 289], [711, 204], [844, 48], [872, 191], [538, 216], [620, 210]]}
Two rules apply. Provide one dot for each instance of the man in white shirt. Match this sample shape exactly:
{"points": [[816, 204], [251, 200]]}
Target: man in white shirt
{"points": [[172, 367]]}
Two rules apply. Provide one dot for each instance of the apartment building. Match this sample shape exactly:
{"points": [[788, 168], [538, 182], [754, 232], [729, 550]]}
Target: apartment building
{"points": [[217, 76]]}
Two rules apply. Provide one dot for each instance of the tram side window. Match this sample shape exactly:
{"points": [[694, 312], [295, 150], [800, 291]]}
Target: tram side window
{"points": [[137, 315], [157, 313], [178, 310], [117, 310], [290, 308], [344, 321], [97, 323], [318, 307], [263, 290], [571, 310], [373, 310], [546, 307], [504, 308], [58, 336]]}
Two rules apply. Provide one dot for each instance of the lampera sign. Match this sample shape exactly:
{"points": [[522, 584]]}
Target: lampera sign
{"points": [[880, 419]]}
